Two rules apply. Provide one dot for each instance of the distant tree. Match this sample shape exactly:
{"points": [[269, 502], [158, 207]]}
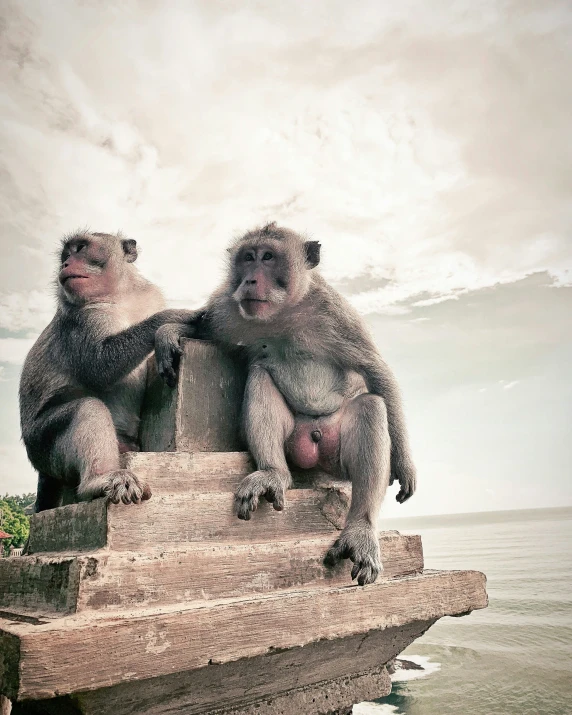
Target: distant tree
{"points": [[21, 500], [13, 521]]}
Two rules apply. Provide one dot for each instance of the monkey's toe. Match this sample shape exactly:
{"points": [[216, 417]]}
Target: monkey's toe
{"points": [[366, 571], [256, 485], [336, 553], [123, 486]]}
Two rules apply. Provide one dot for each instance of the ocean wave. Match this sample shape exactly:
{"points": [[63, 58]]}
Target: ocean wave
{"points": [[426, 667], [424, 662], [374, 709]]}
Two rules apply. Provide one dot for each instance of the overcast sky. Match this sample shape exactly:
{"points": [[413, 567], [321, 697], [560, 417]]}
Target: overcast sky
{"points": [[427, 145]]}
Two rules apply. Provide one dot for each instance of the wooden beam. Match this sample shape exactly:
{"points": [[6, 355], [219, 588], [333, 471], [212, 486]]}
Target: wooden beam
{"points": [[65, 655]]}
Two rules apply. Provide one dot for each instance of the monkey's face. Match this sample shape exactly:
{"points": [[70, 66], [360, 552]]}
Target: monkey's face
{"points": [[91, 265], [261, 276]]}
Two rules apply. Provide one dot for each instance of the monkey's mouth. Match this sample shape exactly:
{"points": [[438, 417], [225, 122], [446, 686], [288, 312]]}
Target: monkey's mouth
{"points": [[65, 279], [254, 307]]}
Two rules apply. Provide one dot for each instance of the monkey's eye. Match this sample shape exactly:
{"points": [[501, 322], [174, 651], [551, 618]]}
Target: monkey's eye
{"points": [[267, 256], [248, 257], [79, 247]]}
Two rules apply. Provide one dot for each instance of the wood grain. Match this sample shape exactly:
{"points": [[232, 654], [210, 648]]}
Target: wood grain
{"points": [[144, 644]]}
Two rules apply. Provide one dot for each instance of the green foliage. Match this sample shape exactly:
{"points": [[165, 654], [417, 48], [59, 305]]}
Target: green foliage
{"points": [[21, 500], [13, 520]]}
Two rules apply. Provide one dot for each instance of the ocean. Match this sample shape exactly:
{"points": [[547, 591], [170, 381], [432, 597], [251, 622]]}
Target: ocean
{"points": [[512, 658]]}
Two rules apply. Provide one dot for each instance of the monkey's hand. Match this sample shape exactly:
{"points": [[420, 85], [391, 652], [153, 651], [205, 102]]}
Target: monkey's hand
{"points": [[405, 473], [358, 542], [270, 484], [168, 350]]}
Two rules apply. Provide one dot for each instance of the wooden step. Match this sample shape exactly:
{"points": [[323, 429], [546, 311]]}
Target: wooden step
{"points": [[52, 584], [41, 659], [181, 518], [182, 472], [203, 412]]}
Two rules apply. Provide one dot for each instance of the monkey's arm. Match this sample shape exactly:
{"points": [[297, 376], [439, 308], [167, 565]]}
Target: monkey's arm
{"points": [[98, 360], [357, 351], [381, 381]]}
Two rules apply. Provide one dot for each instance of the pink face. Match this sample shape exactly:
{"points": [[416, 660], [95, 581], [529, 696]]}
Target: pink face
{"points": [[262, 289], [83, 276]]}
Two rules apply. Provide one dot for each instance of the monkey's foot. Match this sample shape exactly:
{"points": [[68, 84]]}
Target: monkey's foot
{"points": [[269, 484], [359, 543], [124, 486]]}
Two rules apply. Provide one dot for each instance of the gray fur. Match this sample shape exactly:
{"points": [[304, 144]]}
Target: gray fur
{"points": [[82, 383], [309, 353]]}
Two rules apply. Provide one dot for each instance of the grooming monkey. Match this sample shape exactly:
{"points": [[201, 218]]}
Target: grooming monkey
{"points": [[317, 394], [83, 380]]}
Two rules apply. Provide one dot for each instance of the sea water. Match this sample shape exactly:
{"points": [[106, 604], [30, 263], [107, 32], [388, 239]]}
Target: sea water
{"points": [[512, 658]]}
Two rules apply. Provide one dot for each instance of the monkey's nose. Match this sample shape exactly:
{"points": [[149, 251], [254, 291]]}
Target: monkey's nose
{"points": [[316, 435]]}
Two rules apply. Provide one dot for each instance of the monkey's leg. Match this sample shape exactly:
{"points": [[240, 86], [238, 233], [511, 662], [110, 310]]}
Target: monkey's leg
{"points": [[365, 449], [49, 494], [88, 448], [267, 424]]}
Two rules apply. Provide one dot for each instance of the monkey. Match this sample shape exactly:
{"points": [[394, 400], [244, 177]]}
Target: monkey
{"points": [[318, 393], [82, 382]]}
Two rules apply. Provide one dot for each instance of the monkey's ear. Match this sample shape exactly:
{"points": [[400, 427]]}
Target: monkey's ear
{"points": [[130, 249], [312, 249]]}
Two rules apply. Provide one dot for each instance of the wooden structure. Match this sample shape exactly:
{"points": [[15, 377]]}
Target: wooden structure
{"points": [[177, 606]]}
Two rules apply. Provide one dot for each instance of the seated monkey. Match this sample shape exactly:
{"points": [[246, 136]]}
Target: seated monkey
{"points": [[83, 380], [317, 393]]}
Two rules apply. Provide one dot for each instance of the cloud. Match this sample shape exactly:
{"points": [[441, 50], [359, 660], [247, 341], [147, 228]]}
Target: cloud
{"points": [[14, 350], [509, 385], [351, 136], [26, 311], [16, 474]]}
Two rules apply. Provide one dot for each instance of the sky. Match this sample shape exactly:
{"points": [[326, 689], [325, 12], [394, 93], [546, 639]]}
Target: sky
{"points": [[426, 144]]}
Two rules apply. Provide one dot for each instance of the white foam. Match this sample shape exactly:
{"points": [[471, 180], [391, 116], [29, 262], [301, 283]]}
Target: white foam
{"points": [[428, 669], [374, 709], [400, 675]]}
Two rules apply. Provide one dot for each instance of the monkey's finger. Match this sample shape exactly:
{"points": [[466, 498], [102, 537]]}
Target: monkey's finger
{"points": [[245, 506], [276, 497], [391, 479], [403, 494]]}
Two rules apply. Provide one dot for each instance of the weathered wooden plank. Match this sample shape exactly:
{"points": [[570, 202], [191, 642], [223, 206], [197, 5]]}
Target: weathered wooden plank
{"points": [[181, 472], [75, 527], [52, 585], [39, 584], [150, 643], [202, 414], [180, 518], [260, 683], [210, 517], [152, 578], [10, 658], [175, 472], [158, 413]]}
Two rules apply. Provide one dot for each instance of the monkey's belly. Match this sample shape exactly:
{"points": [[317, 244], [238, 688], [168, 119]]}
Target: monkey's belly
{"points": [[315, 442], [310, 388]]}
